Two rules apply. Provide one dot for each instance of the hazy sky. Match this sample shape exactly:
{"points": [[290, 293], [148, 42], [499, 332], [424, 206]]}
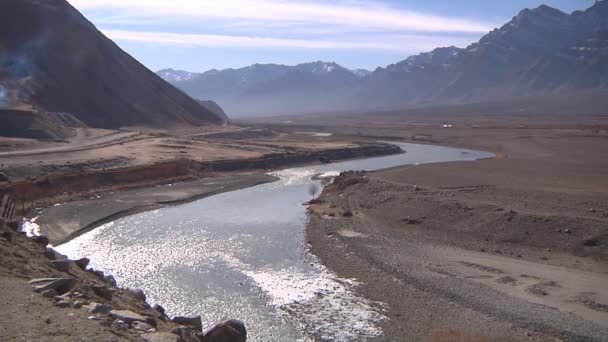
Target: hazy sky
{"points": [[198, 35]]}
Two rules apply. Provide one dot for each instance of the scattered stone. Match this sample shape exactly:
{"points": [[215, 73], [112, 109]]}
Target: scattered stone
{"points": [[592, 210], [567, 231], [191, 321], [63, 304], [48, 321], [14, 225], [41, 239], [103, 291], [507, 280], [128, 316], [82, 263], [348, 213], [411, 221], [61, 285], [537, 291], [99, 308], [61, 265], [558, 230], [8, 236], [510, 215], [141, 326], [3, 177], [232, 330], [160, 337], [77, 304], [50, 293], [119, 324]]}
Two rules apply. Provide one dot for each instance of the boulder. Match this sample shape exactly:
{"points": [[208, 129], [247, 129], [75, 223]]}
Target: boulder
{"points": [[141, 326], [60, 285], [159, 308], [103, 291], [61, 265], [63, 304], [190, 321], [129, 317], [82, 263], [229, 331], [99, 308], [41, 239], [110, 280], [139, 294]]}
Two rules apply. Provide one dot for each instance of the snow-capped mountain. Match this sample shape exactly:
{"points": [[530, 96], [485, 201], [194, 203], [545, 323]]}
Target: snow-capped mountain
{"points": [[172, 75], [540, 51]]}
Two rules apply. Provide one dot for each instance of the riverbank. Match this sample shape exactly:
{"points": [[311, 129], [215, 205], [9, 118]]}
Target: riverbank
{"points": [[65, 221], [512, 248], [46, 297], [97, 198]]}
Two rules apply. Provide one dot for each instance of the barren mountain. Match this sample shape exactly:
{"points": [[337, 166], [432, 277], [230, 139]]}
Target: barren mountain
{"points": [[53, 60], [270, 88], [541, 51]]}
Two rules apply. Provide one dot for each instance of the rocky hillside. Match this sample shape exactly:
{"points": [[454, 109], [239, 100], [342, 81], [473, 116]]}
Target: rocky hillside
{"points": [[541, 51], [46, 297], [53, 59]]}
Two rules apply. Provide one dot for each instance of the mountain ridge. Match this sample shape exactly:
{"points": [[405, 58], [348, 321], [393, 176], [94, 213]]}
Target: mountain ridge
{"points": [[539, 51], [53, 59]]}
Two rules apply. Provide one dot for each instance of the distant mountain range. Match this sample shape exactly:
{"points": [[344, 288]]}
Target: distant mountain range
{"points": [[269, 87], [53, 60], [541, 51]]}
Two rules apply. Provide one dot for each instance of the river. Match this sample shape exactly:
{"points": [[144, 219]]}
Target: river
{"points": [[243, 254]]}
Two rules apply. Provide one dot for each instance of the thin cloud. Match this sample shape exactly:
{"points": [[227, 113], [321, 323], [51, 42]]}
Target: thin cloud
{"points": [[398, 43], [358, 14]]}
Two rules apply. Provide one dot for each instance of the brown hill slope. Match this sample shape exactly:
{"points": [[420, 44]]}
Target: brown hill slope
{"points": [[51, 57]]}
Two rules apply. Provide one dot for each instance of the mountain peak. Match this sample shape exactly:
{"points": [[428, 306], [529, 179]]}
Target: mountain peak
{"points": [[543, 11]]}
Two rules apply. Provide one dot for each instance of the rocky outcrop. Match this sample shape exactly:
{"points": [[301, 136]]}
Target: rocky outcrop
{"points": [[88, 294]]}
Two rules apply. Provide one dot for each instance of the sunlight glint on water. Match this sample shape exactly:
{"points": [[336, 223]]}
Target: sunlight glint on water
{"points": [[243, 255]]}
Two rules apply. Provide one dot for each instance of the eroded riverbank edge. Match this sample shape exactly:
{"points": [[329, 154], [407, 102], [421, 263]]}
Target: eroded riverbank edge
{"points": [[70, 205]]}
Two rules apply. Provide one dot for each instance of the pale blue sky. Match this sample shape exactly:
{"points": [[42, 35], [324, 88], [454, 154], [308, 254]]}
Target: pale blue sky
{"points": [[198, 35]]}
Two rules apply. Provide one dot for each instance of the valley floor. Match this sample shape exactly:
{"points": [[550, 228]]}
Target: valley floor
{"points": [[509, 249]]}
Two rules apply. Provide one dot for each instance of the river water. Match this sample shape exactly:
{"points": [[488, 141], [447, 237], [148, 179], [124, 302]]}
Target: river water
{"points": [[243, 254]]}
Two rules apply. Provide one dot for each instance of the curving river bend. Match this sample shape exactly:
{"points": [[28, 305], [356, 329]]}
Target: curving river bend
{"points": [[243, 254]]}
